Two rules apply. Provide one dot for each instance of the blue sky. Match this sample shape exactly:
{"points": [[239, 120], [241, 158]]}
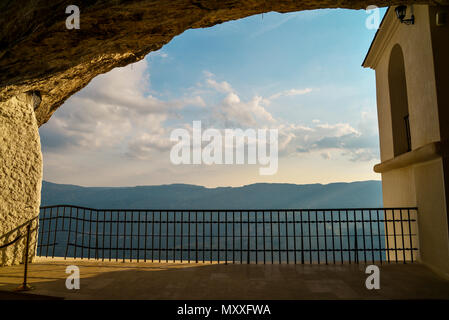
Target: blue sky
{"points": [[298, 72]]}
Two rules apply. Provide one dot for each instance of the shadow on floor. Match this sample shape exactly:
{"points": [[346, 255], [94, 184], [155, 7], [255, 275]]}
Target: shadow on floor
{"points": [[8, 295], [233, 282]]}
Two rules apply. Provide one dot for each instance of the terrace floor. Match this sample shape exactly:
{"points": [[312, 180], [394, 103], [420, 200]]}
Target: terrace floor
{"points": [[118, 280]]}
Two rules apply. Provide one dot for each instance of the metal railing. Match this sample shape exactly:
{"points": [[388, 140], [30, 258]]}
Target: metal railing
{"points": [[26, 254], [349, 235]]}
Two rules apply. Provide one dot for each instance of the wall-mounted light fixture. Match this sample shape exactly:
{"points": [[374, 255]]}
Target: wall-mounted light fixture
{"points": [[401, 12]]}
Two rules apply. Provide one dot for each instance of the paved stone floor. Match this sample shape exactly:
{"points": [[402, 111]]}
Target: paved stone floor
{"points": [[117, 280]]}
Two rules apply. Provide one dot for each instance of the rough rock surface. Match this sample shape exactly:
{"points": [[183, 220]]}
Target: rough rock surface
{"points": [[20, 173], [37, 51]]}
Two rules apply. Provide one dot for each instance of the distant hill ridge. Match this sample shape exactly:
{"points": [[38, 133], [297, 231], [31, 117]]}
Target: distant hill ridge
{"points": [[362, 194]]}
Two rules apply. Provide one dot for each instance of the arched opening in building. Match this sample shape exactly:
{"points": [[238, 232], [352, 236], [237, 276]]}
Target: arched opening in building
{"points": [[399, 102]]}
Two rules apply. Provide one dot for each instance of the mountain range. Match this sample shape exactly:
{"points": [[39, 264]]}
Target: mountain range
{"points": [[362, 194]]}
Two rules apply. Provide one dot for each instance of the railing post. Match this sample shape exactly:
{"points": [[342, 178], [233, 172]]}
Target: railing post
{"points": [[25, 286], [356, 247]]}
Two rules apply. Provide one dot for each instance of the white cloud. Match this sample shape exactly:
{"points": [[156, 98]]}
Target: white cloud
{"points": [[323, 138], [208, 74], [223, 86], [326, 138], [115, 112], [231, 111], [143, 146], [236, 113], [290, 93]]}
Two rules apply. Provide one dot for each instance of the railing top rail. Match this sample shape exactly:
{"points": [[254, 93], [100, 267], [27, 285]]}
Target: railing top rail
{"points": [[229, 210]]}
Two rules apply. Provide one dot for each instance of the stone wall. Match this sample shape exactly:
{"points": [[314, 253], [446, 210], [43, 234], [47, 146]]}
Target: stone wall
{"points": [[20, 172]]}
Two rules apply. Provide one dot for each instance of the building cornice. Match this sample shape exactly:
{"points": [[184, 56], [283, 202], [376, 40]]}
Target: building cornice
{"points": [[422, 154]]}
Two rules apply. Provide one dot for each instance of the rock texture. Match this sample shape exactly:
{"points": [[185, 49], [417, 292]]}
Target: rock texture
{"points": [[37, 51], [20, 173]]}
